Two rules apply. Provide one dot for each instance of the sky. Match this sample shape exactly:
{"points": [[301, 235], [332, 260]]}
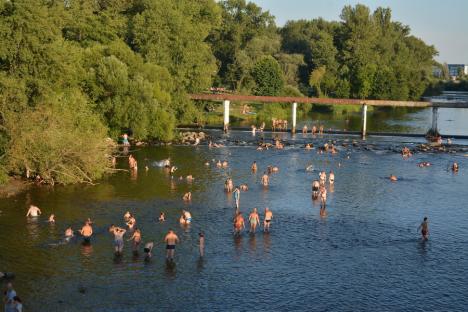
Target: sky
{"points": [[442, 23]]}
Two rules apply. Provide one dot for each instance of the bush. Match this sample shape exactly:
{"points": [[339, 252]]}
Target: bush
{"points": [[61, 140]]}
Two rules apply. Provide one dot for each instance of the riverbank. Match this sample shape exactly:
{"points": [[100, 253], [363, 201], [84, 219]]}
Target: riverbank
{"points": [[14, 186]]}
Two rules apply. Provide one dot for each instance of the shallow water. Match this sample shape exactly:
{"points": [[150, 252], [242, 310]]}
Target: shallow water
{"points": [[366, 255]]}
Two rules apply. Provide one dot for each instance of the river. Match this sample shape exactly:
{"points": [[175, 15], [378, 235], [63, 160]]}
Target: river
{"points": [[365, 255]]}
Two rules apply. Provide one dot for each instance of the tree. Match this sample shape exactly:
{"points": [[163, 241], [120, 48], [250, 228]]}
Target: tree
{"points": [[268, 77]]}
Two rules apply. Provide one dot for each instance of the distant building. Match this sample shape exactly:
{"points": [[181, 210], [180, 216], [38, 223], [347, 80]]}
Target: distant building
{"points": [[454, 70]]}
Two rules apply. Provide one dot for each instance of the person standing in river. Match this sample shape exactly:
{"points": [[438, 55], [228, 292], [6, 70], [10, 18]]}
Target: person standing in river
{"points": [[33, 211], [237, 197], [254, 220], [171, 239], [254, 167], [118, 238], [265, 179], [424, 227], [136, 237], [87, 231], [201, 244], [267, 220], [239, 223]]}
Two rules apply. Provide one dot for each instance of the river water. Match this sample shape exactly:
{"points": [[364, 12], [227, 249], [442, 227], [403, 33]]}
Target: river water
{"points": [[366, 255]]}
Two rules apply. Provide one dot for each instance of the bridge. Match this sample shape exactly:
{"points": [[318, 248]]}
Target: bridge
{"points": [[448, 100]]}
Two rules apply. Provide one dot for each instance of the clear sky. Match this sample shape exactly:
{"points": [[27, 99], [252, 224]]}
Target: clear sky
{"points": [[442, 23]]}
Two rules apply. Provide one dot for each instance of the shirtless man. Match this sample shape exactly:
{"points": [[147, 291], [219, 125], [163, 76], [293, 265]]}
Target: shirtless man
{"points": [[132, 163], [308, 147], [86, 231], [254, 129], [265, 179], [225, 164], [393, 178], [267, 221], [254, 167], [52, 218], [237, 197], [244, 187], [171, 239], [239, 223], [136, 237], [187, 196], [254, 220], [33, 211], [118, 238], [331, 177], [455, 167], [314, 130], [424, 227], [304, 129], [315, 189], [219, 164], [323, 197]]}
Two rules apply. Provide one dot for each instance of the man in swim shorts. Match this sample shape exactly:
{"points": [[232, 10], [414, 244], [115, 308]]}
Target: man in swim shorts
{"points": [[239, 223], [171, 239], [86, 231], [267, 221], [265, 179]]}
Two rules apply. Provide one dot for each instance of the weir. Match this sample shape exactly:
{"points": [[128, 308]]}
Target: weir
{"points": [[435, 103]]}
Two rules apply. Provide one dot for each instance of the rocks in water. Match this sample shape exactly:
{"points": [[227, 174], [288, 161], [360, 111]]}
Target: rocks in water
{"points": [[192, 137]]}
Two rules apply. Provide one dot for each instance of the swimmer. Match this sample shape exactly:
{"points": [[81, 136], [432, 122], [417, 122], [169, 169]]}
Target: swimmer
{"points": [[187, 216], [254, 129], [331, 177], [314, 130], [131, 222], [69, 233], [265, 179], [322, 177], [228, 185], [244, 187], [304, 129], [393, 178], [127, 216], [187, 196], [132, 163], [455, 167], [424, 164], [33, 211], [162, 217], [52, 218], [254, 167], [219, 164], [323, 197], [237, 197], [239, 223], [424, 227], [254, 220], [171, 239], [136, 237], [315, 189], [267, 221], [225, 164], [86, 231], [201, 244], [147, 249], [321, 129], [308, 147], [274, 169], [309, 168], [118, 238]]}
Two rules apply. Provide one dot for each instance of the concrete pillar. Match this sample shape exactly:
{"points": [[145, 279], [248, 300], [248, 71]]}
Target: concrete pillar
{"points": [[226, 114], [435, 115], [294, 117], [364, 121]]}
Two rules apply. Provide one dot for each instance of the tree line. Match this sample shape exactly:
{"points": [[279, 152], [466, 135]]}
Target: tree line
{"points": [[74, 72]]}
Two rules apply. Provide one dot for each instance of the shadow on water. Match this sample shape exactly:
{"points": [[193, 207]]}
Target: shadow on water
{"points": [[170, 269]]}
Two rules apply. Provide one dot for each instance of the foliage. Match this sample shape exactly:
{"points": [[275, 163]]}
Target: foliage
{"points": [[268, 77]]}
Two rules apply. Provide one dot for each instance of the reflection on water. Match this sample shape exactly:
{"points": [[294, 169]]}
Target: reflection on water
{"points": [[365, 254]]}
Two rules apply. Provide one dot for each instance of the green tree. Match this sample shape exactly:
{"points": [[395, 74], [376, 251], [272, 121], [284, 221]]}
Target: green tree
{"points": [[268, 77]]}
